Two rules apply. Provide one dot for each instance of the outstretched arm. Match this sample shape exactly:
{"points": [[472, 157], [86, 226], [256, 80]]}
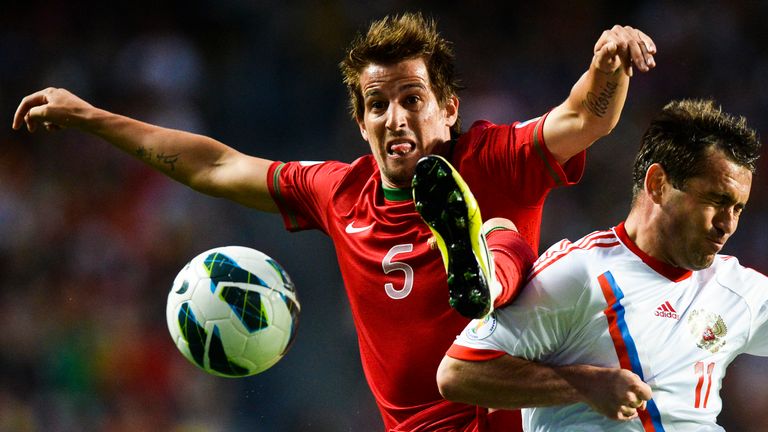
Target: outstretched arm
{"points": [[594, 105], [511, 383], [200, 162]]}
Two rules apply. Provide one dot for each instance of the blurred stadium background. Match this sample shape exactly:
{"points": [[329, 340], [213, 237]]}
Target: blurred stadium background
{"points": [[90, 239]]}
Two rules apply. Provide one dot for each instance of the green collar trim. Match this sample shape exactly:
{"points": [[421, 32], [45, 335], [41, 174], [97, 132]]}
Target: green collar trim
{"points": [[397, 194]]}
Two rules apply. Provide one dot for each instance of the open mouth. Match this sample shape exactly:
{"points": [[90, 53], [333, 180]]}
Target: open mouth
{"points": [[402, 148]]}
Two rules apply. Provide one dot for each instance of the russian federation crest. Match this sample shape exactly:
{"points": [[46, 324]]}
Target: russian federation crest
{"points": [[708, 330]]}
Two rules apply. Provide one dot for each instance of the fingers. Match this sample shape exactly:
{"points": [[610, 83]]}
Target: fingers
{"points": [[29, 110], [631, 410], [630, 396], [643, 391], [636, 400], [627, 413], [641, 50], [52, 108], [432, 243], [626, 47], [49, 126]]}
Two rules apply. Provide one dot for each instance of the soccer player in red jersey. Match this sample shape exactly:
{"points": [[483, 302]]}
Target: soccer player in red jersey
{"points": [[403, 94]]}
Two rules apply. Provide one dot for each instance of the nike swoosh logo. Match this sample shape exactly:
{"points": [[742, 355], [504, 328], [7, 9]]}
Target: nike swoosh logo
{"points": [[351, 229]]}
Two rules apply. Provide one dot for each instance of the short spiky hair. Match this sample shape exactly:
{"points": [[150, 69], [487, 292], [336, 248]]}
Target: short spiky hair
{"points": [[393, 39], [681, 135]]}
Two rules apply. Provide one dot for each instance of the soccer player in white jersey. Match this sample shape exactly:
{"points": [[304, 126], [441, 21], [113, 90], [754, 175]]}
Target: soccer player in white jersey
{"points": [[632, 328]]}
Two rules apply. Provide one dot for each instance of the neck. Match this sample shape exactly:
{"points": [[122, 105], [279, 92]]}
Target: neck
{"points": [[641, 227]]}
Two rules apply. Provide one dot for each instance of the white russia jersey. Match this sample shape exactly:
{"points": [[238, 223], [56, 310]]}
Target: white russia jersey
{"points": [[602, 301]]}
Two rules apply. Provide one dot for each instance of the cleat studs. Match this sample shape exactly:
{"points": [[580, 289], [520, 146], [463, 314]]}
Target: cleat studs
{"points": [[454, 197], [445, 207], [461, 222], [475, 296]]}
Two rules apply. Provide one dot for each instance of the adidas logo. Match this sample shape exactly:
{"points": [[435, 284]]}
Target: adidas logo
{"points": [[666, 311]]}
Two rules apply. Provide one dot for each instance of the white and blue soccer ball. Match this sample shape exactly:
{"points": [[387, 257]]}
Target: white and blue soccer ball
{"points": [[233, 311]]}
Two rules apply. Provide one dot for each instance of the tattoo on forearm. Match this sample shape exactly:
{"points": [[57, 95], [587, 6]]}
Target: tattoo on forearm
{"points": [[598, 104], [169, 160], [147, 155], [143, 153]]}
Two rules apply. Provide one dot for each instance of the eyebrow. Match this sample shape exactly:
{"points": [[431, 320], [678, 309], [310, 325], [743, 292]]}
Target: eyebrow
{"points": [[724, 198], [418, 84], [407, 86]]}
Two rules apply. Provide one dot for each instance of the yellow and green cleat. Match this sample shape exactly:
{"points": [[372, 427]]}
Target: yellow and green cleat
{"points": [[446, 204]]}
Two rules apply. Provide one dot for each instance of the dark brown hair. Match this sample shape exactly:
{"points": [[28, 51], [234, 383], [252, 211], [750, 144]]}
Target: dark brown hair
{"points": [[679, 138], [393, 39]]}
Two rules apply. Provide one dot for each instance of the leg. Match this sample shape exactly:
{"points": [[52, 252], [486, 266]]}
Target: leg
{"points": [[451, 212], [512, 257]]}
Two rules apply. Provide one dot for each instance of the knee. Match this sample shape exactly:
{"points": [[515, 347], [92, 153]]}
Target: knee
{"points": [[497, 222]]}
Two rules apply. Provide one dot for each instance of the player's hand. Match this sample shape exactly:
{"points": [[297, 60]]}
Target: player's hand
{"points": [[625, 47], [51, 108], [619, 395]]}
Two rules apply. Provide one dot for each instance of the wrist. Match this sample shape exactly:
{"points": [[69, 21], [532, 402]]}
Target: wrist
{"points": [[610, 68]]}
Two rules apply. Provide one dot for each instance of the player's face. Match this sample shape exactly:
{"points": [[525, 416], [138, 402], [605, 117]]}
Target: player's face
{"points": [[697, 221], [402, 120]]}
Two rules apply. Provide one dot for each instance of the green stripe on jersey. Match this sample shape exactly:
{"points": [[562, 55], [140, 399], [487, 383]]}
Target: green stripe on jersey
{"points": [[397, 194], [542, 154]]}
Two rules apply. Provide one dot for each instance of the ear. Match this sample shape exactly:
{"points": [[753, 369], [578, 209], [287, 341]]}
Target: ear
{"points": [[363, 130], [656, 182], [451, 110]]}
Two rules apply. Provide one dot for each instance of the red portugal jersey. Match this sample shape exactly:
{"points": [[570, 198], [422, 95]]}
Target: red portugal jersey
{"points": [[395, 284]]}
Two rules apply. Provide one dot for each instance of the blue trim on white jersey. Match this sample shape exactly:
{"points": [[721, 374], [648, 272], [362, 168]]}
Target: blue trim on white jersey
{"points": [[629, 343]]}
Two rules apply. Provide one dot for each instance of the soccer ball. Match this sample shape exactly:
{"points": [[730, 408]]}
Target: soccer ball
{"points": [[233, 311]]}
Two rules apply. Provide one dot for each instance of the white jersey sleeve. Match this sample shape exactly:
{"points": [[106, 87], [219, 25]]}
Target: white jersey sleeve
{"points": [[539, 325], [753, 287], [529, 327]]}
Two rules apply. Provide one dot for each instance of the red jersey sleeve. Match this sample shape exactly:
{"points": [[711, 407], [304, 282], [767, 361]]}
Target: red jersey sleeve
{"points": [[511, 171], [516, 157], [302, 191]]}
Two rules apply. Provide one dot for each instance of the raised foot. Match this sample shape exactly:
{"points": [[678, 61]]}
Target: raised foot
{"points": [[447, 206]]}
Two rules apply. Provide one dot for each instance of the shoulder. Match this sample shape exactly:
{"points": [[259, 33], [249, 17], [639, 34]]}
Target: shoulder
{"points": [[581, 252], [484, 129], [752, 288], [330, 169], [358, 171], [563, 276], [747, 282]]}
